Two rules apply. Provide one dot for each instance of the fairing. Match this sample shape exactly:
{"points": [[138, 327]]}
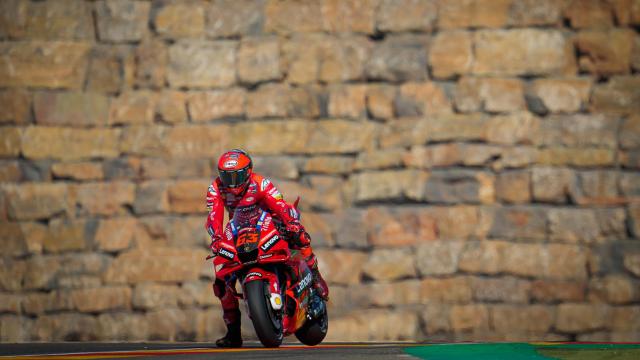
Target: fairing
{"points": [[254, 232]]}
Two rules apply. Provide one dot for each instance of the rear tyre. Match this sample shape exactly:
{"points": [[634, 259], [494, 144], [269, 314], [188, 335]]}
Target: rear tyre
{"points": [[313, 331], [266, 322]]}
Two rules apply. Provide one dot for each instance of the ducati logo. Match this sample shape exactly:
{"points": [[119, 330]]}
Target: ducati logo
{"points": [[264, 184]]}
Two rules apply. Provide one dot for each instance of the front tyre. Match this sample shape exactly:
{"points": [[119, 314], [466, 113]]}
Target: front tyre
{"points": [[313, 331], [266, 322]]}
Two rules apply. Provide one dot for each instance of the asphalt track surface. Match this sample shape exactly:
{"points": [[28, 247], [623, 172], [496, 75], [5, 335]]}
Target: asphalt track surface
{"points": [[253, 350], [174, 351]]}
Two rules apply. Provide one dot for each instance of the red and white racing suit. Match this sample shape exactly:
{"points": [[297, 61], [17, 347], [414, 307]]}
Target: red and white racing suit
{"points": [[260, 192]]}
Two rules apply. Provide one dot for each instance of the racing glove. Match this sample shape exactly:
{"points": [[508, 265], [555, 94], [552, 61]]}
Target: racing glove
{"points": [[294, 227], [215, 244]]}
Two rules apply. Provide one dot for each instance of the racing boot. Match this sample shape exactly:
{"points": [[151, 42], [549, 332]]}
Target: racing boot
{"points": [[233, 339]]}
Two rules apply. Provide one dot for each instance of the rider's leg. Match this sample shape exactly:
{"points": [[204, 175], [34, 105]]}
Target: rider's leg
{"points": [[304, 243], [230, 314]]}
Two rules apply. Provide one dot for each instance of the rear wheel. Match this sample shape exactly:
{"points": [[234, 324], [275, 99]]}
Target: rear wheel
{"points": [[266, 322], [313, 331]]}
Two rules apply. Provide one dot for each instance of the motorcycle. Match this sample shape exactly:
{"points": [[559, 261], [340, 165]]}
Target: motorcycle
{"points": [[276, 281]]}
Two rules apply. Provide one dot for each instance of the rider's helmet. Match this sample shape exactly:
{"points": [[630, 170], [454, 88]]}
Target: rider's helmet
{"points": [[234, 168]]}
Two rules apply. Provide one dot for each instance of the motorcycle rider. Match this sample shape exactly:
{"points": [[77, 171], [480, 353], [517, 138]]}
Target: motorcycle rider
{"points": [[238, 183]]}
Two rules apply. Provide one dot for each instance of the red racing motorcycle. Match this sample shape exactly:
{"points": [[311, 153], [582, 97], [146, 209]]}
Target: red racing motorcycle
{"points": [[275, 280]]}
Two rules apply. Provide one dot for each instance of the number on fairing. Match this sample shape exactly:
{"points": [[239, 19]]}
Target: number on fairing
{"points": [[247, 238]]}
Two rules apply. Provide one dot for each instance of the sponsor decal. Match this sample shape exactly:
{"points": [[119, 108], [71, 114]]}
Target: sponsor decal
{"points": [[225, 254], [261, 221], [269, 244], [230, 164], [246, 208], [276, 302], [228, 234], [232, 225], [212, 190], [266, 256], [264, 184], [249, 199], [303, 283], [275, 194], [254, 274]]}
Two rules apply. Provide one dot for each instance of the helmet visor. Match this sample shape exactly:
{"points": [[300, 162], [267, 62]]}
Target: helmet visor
{"points": [[234, 178]]}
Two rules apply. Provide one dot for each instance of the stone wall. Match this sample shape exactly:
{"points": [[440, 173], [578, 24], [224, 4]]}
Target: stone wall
{"points": [[468, 169]]}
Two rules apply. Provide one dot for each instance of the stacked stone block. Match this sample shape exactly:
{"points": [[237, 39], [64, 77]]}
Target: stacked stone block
{"points": [[468, 169]]}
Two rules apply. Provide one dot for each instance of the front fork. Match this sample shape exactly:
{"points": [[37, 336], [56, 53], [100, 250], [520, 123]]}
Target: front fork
{"points": [[275, 297]]}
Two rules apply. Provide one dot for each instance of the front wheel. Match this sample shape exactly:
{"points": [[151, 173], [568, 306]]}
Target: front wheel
{"points": [[266, 322]]}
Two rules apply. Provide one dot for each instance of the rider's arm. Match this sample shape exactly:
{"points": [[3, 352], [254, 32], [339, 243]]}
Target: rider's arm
{"points": [[213, 225], [273, 199]]}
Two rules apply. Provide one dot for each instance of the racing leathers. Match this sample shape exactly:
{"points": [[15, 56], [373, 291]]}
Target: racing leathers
{"points": [[260, 192]]}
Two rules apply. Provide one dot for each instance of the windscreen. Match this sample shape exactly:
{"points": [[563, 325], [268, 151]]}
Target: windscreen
{"points": [[245, 228], [246, 217]]}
